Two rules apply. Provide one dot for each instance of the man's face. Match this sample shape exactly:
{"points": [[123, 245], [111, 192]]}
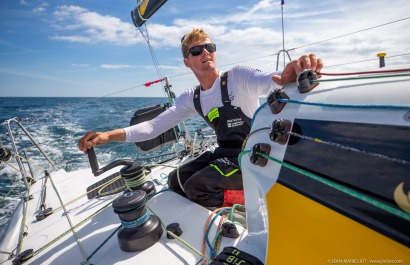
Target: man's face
{"points": [[202, 63]]}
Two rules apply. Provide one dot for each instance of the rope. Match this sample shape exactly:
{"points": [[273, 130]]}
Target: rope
{"points": [[367, 72], [345, 147], [135, 181], [101, 245], [177, 237], [218, 237], [354, 106], [34, 253], [79, 197], [137, 222], [207, 229], [355, 78]]}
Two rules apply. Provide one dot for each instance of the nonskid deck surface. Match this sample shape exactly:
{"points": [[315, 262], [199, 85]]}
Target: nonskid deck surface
{"points": [[94, 221]]}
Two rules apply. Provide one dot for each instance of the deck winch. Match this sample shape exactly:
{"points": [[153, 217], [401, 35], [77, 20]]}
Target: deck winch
{"points": [[134, 177], [140, 228]]}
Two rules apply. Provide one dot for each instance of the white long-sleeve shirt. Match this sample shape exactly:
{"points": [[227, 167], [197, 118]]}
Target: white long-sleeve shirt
{"points": [[245, 86]]}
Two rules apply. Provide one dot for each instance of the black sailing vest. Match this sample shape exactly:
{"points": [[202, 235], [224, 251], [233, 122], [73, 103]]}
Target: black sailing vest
{"points": [[231, 125]]}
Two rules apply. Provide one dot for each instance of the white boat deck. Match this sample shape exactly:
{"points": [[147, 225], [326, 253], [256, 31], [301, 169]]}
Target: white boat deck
{"points": [[168, 206]]}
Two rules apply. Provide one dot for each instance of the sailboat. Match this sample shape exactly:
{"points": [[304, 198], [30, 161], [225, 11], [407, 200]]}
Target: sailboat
{"points": [[325, 170]]}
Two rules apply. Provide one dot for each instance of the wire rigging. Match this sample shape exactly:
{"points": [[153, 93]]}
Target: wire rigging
{"points": [[351, 33]]}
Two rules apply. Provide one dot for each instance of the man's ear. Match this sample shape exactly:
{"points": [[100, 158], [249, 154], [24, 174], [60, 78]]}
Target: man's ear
{"points": [[187, 62]]}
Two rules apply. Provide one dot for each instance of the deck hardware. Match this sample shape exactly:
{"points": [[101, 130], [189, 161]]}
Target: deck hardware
{"points": [[23, 257], [280, 131], [229, 230], [140, 228], [29, 198], [256, 158], [98, 171], [305, 80], [44, 213], [275, 105], [134, 177], [175, 229], [381, 56]]}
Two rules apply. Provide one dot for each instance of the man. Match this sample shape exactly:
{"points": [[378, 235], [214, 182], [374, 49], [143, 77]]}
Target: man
{"points": [[227, 101]]}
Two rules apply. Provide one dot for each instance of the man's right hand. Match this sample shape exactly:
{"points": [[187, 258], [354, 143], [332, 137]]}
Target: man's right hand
{"points": [[91, 139]]}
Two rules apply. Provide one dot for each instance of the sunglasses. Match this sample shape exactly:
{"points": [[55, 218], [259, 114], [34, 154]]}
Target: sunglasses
{"points": [[197, 50]]}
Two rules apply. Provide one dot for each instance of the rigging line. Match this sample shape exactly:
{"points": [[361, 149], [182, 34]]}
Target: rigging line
{"points": [[349, 148], [234, 63], [117, 92], [351, 33], [398, 55], [152, 52]]}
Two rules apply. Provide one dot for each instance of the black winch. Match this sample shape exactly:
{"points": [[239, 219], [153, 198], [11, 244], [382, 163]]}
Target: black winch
{"points": [[140, 228], [134, 177]]}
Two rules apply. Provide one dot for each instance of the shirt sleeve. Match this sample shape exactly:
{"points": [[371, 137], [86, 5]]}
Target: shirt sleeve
{"points": [[253, 81], [169, 118]]}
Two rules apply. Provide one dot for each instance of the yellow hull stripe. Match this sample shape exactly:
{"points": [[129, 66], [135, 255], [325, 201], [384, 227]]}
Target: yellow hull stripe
{"points": [[302, 231]]}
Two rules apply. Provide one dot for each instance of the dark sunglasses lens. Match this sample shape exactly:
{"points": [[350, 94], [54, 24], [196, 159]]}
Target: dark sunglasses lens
{"points": [[196, 50], [210, 47]]}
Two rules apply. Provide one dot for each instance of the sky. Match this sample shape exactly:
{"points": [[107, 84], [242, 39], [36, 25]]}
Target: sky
{"points": [[90, 48]]}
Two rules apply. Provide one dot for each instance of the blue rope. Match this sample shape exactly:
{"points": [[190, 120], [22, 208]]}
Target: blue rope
{"points": [[332, 105], [137, 222], [257, 111], [209, 229]]}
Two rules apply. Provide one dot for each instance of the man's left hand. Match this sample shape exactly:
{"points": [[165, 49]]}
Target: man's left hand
{"points": [[293, 68]]}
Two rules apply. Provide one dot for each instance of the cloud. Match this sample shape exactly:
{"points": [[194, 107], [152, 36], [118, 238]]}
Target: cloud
{"points": [[115, 66], [39, 9], [91, 27], [79, 65], [255, 29]]}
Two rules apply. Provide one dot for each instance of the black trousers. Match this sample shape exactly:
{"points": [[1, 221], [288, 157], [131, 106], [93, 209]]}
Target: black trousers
{"points": [[205, 184]]}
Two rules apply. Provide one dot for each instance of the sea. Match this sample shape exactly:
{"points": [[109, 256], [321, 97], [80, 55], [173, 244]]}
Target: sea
{"points": [[56, 124]]}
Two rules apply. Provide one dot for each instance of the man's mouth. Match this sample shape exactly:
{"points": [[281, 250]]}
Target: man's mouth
{"points": [[207, 60]]}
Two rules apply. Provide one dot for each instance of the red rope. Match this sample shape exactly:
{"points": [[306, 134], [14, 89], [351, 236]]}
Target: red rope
{"points": [[368, 72]]}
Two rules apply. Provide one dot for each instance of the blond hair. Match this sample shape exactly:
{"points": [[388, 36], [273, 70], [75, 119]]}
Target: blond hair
{"points": [[195, 35]]}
